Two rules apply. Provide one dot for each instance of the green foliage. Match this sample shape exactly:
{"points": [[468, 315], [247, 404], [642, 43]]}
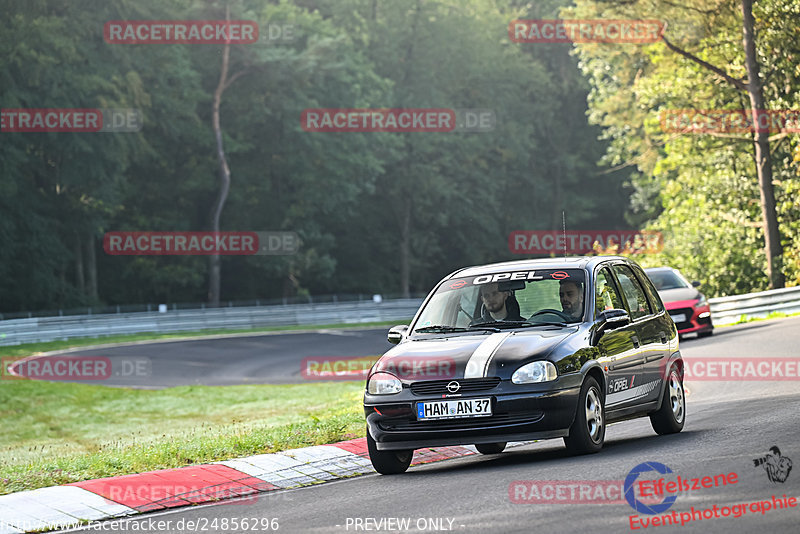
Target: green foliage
{"points": [[701, 191], [363, 203]]}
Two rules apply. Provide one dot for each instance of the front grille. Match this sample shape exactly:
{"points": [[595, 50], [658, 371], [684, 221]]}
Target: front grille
{"points": [[688, 312], [468, 385], [461, 424]]}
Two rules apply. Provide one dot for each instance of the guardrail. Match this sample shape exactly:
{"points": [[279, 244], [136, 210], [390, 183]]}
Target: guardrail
{"points": [[40, 329], [726, 310]]}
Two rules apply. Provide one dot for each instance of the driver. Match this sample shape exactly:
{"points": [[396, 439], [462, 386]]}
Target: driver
{"points": [[571, 294], [498, 305]]}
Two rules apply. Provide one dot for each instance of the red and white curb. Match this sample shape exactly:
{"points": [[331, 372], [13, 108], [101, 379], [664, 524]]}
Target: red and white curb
{"points": [[106, 498]]}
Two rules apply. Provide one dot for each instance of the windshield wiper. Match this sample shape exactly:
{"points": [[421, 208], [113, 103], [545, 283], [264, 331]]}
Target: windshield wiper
{"points": [[491, 325], [552, 323], [514, 324], [440, 328]]}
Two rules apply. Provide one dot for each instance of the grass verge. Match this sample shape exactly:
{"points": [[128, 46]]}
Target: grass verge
{"points": [[57, 433], [743, 319]]}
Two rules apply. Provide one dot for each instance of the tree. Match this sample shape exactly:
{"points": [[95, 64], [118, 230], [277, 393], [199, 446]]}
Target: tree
{"points": [[632, 84]]}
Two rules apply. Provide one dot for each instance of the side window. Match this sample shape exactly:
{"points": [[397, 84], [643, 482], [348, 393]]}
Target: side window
{"points": [[606, 296], [637, 303], [652, 294]]}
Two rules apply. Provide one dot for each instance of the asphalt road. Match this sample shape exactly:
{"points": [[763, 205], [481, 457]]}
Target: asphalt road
{"points": [[728, 425], [273, 358]]}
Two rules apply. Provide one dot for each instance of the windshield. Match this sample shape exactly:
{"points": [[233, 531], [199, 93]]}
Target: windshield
{"points": [[506, 299], [667, 280]]}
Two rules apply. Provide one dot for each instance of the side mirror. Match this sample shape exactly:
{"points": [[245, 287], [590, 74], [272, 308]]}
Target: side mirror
{"points": [[609, 320], [615, 318], [696, 284], [396, 333]]}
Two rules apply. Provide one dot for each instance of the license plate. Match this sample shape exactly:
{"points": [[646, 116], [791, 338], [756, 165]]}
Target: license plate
{"points": [[679, 318], [452, 409]]}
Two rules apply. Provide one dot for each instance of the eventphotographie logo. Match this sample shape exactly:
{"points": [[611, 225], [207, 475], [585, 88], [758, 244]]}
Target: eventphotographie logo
{"points": [[776, 465]]}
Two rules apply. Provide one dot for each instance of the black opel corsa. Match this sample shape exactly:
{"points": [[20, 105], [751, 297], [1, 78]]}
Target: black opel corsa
{"points": [[533, 349]]}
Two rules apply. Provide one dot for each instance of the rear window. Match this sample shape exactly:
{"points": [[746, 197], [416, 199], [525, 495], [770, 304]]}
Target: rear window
{"points": [[664, 280]]}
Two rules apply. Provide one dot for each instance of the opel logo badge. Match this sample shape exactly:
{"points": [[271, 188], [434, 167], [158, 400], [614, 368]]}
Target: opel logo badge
{"points": [[453, 386]]}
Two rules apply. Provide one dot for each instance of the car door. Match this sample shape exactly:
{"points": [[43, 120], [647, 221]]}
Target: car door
{"points": [[620, 355], [655, 364], [650, 339]]}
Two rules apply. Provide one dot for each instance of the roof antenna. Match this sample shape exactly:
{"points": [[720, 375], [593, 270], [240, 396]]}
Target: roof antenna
{"points": [[564, 228]]}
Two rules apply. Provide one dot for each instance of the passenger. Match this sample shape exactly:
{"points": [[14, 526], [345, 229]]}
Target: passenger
{"points": [[571, 294], [498, 305]]}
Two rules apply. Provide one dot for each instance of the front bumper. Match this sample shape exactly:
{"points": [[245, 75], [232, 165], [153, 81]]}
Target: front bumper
{"points": [[516, 416], [698, 319]]}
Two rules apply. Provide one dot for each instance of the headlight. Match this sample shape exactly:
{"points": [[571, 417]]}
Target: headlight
{"points": [[539, 371], [384, 384], [702, 302]]}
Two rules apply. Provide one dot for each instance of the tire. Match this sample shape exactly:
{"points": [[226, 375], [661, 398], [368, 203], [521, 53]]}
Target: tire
{"points": [[588, 430], [491, 448], [388, 462], [671, 416], [707, 333]]}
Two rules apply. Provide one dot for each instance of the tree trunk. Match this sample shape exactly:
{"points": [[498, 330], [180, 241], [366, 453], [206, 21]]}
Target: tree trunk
{"points": [[763, 161], [214, 267], [405, 248], [78, 252], [91, 267], [772, 236]]}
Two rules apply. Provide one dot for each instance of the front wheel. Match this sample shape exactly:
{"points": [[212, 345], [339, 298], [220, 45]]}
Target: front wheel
{"points": [[588, 430], [670, 416], [388, 462], [490, 448]]}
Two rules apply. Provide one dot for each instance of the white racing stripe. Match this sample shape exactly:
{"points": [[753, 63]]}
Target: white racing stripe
{"points": [[478, 363]]}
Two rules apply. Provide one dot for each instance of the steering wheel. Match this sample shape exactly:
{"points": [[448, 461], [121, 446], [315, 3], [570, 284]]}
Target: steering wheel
{"points": [[567, 318]]}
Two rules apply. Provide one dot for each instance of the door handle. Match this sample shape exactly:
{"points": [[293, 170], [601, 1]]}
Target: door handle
{"points": [[635, 342]]}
